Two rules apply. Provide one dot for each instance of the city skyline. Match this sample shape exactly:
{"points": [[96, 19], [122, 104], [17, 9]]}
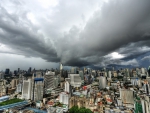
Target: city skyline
{"points": [[41, 34]]}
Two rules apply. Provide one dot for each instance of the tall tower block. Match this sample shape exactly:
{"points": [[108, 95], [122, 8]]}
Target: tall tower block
{"points": [[61, 68]]}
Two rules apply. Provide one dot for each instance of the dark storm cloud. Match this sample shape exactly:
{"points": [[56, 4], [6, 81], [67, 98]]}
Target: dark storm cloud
{"points": [[26, 41], [77, 62], [134, 50], [117, 24], [122, 26]]}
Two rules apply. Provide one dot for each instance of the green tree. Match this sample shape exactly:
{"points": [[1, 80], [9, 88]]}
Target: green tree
{"points": [[74, 109], [88, 111], [82, 110]]}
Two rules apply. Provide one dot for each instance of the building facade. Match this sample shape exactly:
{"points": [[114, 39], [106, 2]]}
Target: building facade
{"points": [[26, 89], [2, 87]]}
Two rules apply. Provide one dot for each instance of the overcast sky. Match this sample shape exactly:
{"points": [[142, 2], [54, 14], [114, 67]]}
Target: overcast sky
{"points": [[96, 33]]}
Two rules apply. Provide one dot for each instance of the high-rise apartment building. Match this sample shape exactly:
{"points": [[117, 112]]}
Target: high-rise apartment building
{"points": [[61, 70], [81, 75], [136, 81], [37, 89], [18, 70], [2, 87], [73, 70], [143, 70], [50, 80], [26, 89], [21, 78], [67, 87], [75, 80], [7, 71], [19, 88], [114, 73], [93, 73], [29, 70], [109, 74], [14, 83], [127, 74], [61, 66], [102, 82], [1, 75], [37, 85], [64, 98]]}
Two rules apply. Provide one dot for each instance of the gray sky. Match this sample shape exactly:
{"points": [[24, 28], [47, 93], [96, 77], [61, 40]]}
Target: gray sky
{"points": [[42, 33]]}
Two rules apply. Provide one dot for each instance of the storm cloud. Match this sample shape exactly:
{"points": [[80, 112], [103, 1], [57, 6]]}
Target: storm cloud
{"points": [[76, 33]]}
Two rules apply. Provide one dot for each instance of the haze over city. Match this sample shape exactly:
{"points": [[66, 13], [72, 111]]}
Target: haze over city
{"points": [[92, 33]]}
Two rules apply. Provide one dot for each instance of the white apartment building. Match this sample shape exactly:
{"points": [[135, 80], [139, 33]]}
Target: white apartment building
{"points": [[26, 89], [64, 98]]}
